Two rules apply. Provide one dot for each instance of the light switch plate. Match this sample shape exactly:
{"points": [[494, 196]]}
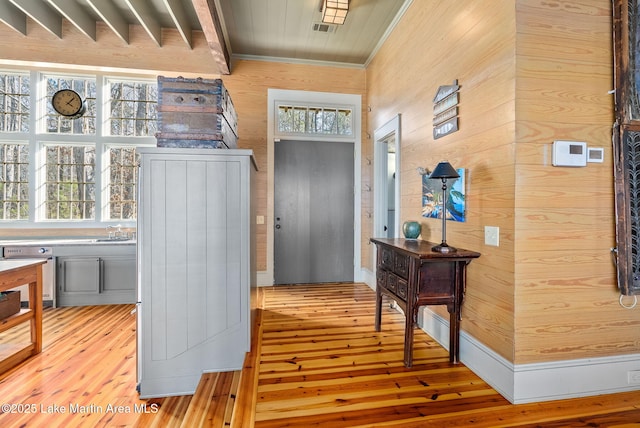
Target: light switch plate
{"points": [[492, 235]]}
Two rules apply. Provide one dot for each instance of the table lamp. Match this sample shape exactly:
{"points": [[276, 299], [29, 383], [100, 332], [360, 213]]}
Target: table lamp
{"points": [[444, 171]]}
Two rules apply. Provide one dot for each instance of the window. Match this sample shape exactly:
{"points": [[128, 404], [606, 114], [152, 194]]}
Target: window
{"points": [[14, 181], [70, 182], [122, 183], [315, 120], [86, 88], [59, 170], [133, 108], [14, 102]]}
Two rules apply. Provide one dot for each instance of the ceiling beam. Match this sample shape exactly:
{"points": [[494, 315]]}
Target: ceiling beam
{"points": [[110, 15], [212, 29], [76, 15], [179, 16], [49, 19], [13, 17], [147, 19]]}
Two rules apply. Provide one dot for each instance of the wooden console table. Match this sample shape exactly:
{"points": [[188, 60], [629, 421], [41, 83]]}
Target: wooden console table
{"points": [[413, 275], [14, 273]]}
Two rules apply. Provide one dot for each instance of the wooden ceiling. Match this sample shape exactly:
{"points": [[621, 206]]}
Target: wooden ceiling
{"points": [[277, 30]]}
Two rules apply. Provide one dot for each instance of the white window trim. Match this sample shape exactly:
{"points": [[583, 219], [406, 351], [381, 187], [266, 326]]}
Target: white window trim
{"points": [[36, 137]]}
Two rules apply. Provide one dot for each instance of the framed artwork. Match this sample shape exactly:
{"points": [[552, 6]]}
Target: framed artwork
{"points": [[456, 198]]}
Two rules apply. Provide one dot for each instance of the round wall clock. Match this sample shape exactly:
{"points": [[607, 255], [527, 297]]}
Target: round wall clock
{"points": [[68, 103]]}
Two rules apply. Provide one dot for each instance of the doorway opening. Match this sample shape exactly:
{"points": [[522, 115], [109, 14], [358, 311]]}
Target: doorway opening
{"points": [[313, 196], [386, 180], [330, 101]]}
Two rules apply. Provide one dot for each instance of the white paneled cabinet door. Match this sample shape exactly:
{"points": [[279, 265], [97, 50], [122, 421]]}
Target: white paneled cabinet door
{"points": [[195, 266]]}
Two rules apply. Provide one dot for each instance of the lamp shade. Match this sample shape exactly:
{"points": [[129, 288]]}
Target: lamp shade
{"points": [[444, 170]]}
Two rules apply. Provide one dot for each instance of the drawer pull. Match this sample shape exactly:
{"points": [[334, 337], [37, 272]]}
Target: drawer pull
{"points": [[179, 99]]}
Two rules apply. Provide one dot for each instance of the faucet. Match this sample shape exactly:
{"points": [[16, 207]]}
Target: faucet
{"points": [[114, 235]]}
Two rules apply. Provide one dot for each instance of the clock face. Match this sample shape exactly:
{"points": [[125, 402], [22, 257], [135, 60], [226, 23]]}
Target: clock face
{"points": [[68, 103]]}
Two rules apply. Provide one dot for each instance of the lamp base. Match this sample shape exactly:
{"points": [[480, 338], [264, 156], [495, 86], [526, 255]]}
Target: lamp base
{"points": [[443, 248]]}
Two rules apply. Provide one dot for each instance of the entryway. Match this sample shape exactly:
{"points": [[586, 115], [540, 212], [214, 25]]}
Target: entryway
{"points": [[313, 212], [310, 101]]}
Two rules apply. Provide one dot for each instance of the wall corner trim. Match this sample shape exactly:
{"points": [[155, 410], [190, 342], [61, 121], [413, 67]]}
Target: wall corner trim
{"points": [[530, 383]]}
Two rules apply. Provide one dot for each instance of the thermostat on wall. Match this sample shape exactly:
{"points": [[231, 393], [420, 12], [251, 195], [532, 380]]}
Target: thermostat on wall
{"points": [[569, 153]]}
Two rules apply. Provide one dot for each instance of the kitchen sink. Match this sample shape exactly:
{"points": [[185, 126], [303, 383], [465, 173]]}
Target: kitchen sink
{"points": [[112, 239]]}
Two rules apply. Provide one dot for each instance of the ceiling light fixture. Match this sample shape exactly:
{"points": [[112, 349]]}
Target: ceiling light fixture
{"points": [[335, 11]]}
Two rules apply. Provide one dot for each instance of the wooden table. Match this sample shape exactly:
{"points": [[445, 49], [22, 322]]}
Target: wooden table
{"points": [[14, 273], [413, 275]]}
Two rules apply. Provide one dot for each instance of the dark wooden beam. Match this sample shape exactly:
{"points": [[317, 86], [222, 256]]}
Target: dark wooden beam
{"points": [[212, 29]]}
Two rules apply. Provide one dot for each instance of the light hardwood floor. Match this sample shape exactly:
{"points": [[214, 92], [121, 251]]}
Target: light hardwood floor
{"points": [[316, 361]]}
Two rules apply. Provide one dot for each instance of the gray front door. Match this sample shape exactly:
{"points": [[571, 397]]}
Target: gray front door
{"points": [[313, 206]]}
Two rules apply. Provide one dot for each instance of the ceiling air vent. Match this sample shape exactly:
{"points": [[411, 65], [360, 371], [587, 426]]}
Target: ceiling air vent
{"points": [[323, 28]]}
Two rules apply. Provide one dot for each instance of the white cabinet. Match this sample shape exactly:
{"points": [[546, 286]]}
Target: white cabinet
{"points": [[196, 266]]}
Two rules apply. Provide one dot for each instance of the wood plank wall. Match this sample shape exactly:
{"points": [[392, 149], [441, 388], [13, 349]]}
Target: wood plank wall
{"points": [[473, 42], [247, 85], [531, 72], [565, 216]]}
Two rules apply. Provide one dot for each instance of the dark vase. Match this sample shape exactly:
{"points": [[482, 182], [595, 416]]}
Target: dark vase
{"points": [[411, 229]]}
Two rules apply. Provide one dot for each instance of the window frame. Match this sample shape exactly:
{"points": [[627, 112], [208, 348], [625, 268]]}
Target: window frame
{"points": [[311, 134], [37, 138]]}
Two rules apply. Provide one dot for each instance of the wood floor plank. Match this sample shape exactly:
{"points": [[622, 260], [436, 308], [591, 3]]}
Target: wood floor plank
{"points": [[315, 361], [322, 364]]}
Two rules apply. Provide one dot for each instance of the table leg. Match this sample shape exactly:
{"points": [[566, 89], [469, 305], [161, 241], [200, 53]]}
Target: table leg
{"points": [[454, 337], [408, 338], [378, 318], [35, 304]]}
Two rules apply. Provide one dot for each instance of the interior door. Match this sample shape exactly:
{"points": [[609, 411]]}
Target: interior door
{"points": [[313, 205]]}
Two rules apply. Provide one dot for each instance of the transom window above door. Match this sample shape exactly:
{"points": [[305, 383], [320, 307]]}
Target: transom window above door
{"points": [[309, 120]]}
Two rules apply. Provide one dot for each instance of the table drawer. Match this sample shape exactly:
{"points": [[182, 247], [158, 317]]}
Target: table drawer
{"points": [[392, 282], [401, 288], [386, 258], [401, 265]]}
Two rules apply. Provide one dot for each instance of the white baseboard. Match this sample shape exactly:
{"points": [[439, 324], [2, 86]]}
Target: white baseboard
{"points": [[528, 383], [368, 278], [264, 278]]}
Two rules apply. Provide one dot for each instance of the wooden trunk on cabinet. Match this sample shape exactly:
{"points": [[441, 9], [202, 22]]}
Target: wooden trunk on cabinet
{"points": [[196, 266], [195, 113]]}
